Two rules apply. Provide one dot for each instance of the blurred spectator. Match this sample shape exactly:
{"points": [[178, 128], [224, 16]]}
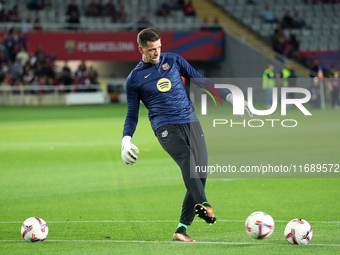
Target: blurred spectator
{"points": [[49, 68], [9, 41], [267, 15], [37, 25], [38, 68], [2, 77], [143, 23], [293, 82], [15, 84], [121, 14], [314, 66], [93, 76], [299, 21], [13, 14], [332, 70], [279, 44], [51, 81], [288, 21], [22, 40], [173, 5], [7, 79], [294, 46], [180, 4], [92, 9], [40, 54], [48, 5], [5, 83], [334, 87], [81, 74], [321, 1], [3, 60], [164, 10], [38, 58], [27, 26], [100, 7], [189, 9], [66, 68], [4, 67], [73, 21], [35, 80], [110, 10], [216, 24], [315, 93], [285, 74], [207, 26], [28, 74], [268, 83], [23, 56], [35, 4], [3, 15], [72, 7], [42, 83], [66, 76], [17, 70], [278, 31], [2, 5]]}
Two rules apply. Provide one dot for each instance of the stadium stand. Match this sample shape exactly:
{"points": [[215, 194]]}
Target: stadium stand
{"points": [[18, 18], [320, 31], [307, 26], [321, 21], [54, 15]]}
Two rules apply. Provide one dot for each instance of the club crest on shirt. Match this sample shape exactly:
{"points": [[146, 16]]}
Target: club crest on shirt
{"points": [[165, 66], [164, 85], [165, 133]]}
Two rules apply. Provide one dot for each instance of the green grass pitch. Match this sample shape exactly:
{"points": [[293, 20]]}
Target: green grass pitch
{"points": [[63, 164]]}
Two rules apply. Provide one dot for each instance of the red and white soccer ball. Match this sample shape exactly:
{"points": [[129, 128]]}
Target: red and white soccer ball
{"points": [[259, 225], [298, 231], [34, 229]]}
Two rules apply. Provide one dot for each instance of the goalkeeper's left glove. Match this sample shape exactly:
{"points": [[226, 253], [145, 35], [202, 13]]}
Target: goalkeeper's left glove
{"points": [[229, 98], [128, 149]]}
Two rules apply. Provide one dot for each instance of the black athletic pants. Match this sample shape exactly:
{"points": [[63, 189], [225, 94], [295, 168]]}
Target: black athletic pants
{"points": [[185, 143]]}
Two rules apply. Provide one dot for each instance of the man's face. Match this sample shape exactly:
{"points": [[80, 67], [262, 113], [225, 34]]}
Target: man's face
{"points": [[151, 52]]}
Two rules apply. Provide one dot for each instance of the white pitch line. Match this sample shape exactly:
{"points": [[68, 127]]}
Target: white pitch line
{"points": [[161, 242], [153, 221], [42, 144]]}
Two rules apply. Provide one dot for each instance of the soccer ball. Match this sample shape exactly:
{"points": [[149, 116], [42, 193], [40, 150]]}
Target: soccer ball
{"points": [[298, 231], [34, 229], [259, 225]]}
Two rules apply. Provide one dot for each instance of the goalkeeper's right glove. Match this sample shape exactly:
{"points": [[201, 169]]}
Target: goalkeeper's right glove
{"points": [[229, 98], [127, 151]]}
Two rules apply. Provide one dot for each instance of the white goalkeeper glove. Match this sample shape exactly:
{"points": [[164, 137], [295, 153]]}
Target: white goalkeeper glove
{"points": [[128, 149], [229, 98]]}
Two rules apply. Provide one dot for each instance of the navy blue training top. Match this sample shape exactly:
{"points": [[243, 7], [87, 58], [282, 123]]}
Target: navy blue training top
{"points": [[161, 89]]}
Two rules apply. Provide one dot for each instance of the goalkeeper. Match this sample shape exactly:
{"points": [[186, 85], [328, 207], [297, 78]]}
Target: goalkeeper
{"points": [[156, 81]]}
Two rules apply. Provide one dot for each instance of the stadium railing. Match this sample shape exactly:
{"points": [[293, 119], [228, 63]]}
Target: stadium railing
{"points": [[33, 95], [22, 90]]}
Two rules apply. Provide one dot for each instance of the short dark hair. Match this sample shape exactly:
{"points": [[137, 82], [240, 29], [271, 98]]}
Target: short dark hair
{"points": [[147, 35]]}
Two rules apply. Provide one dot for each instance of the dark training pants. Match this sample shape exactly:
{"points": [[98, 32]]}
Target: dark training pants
{"points": [[185, 143]]}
